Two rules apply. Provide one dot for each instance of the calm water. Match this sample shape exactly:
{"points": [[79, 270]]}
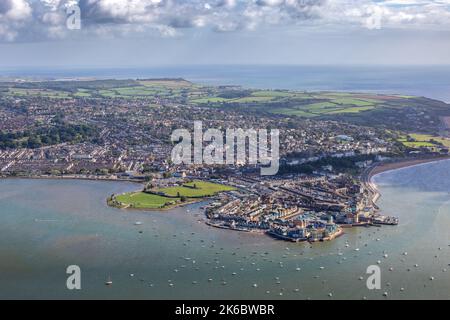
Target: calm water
{"points": [[429, 81], [46, 225]]}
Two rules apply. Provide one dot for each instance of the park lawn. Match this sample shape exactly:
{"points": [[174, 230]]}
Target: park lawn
{"points": [[203, 189], [215, 187], [141, 200]]}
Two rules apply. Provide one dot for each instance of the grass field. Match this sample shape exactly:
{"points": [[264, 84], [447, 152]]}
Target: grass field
{"points": [[174, 84], [234, 100], [210, 100], [38, 92], [352, 110], [424, 140], [355, 102], [203, 189], [293, 112], [270, 93], [82, 93], [141, 200], [333, 106], [298, 103]]}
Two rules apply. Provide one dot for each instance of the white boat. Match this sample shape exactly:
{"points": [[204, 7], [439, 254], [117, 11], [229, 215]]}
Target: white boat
{"points": [[109, 282], [138, 223]]}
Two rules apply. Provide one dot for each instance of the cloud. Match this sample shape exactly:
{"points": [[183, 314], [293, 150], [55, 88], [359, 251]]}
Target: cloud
{"points": [[25, 20], [13, 15]]}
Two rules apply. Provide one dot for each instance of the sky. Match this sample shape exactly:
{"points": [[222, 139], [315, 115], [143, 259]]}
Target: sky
{"points": [[133, 33]]}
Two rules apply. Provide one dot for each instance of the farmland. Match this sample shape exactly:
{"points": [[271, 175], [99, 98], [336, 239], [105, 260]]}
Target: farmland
{"points": [[397, 112]]}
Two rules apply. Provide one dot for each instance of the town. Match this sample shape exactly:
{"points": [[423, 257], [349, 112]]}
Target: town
{"points": [[121, 130]]}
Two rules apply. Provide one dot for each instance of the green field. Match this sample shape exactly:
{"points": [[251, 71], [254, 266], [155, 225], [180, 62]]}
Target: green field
{"points": [[38, 92], [389, 111], [202, 189], [167, 83], [355, 102], [352, 110], [416, 140], [293, 112], [272, 94], [210, 100], [253, 99], [141, 200], [297, 103], [334, 106], [82, 93]]}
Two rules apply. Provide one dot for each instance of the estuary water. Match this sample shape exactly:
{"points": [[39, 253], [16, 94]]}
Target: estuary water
{"points": [[47, 225]]}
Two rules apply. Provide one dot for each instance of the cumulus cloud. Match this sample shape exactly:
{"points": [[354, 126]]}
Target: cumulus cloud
{"points": [[41, 19], [13, 15]]}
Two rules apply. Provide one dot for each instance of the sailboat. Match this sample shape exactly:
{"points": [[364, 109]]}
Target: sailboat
{"points": [[109, 282]]}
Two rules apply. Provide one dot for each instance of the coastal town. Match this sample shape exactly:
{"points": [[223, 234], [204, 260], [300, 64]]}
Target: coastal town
{"points": [[304, 208], [120, 130]]}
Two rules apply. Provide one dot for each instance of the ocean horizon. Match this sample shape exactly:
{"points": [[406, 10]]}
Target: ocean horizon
{"points": [[429, 81]]}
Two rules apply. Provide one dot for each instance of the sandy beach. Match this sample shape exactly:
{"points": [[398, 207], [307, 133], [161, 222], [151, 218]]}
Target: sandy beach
{"points": [[388, 166], [378, 168]]}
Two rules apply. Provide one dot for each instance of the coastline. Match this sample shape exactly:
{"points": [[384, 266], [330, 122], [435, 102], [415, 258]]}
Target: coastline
{"points": [[72, 177], [403, 163], [368, 175]]}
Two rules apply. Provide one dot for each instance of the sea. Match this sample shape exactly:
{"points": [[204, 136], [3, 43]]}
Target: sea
{"points": [[48, 225], [428, 81]]}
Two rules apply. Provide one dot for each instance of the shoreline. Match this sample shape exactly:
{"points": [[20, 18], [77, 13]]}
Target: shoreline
{"points": [[368, 175], [400, 164], [72, 177]]}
